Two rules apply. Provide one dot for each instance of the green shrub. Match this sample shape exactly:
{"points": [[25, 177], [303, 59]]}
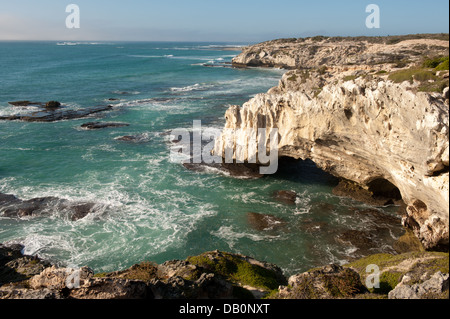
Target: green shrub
{"points": [[435, 62], [443, 66]]}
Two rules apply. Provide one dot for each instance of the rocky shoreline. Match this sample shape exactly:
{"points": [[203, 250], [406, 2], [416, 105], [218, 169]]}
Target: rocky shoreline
{"points": [[222, 275], [344, 106]]}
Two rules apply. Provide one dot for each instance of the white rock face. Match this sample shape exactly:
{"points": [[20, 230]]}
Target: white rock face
{"points": [[364, 131]]}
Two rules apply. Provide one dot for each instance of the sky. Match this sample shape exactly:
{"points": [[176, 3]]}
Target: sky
{"points": [[217, 21]]}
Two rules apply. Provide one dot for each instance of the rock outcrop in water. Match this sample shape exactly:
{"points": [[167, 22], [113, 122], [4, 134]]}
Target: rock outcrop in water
{"points": [[51, 112], [347, 108], [13, 207]]}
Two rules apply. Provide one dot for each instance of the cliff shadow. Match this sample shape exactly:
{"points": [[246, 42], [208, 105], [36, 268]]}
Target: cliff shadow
{"points": [[303, 171]]}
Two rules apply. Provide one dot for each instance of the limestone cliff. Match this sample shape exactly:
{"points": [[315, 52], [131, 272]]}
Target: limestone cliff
{"points": [[356, 123]]}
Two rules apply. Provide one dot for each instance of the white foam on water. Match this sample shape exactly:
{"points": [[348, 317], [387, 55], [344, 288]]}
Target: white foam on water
{"points": [[231, 236], [128, 224], [194, 87]]}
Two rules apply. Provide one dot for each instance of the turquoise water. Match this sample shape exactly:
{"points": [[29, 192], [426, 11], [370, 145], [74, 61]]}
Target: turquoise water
{"points": [[149, 208]]}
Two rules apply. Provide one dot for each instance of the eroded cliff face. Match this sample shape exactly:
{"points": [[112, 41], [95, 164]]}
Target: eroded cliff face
{"points": [[368, 130]]}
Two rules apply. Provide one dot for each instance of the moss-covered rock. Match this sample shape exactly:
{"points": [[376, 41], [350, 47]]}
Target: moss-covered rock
{"points": [[243, 270], [329, 282]]}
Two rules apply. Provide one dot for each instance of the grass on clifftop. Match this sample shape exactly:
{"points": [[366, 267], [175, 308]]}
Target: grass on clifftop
{"points": [[426, 74], [394, 267]]}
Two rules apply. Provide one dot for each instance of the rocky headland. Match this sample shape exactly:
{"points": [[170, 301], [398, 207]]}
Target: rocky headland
{"points": [[371, 111]]}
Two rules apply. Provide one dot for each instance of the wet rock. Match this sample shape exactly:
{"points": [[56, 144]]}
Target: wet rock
{"points": [[52, 105], [312, 227], [100, 125], [363, 240], [287, 197], [8, 199], [263, 222], [377, 216], [28, 208], [13, 207], [52, 115], [80, 211], [140, 138], [243, 170], [25, 103], [246, 171]]}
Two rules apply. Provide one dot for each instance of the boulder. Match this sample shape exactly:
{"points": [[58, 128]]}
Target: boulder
{"points": [[435, 287], [52, 105], [329, 282]]}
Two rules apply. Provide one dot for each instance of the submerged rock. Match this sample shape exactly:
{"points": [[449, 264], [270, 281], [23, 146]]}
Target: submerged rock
{"points": [[100, 125], [264, 222], [53, 115], [246, 171], [26, 103], [287, 197], [140, 138]]}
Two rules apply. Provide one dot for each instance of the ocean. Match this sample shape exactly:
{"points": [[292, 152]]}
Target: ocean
{"points": [[148, 208]]}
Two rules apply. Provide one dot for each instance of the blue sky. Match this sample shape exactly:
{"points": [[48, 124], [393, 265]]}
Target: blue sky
{"points": [[211, 20]]}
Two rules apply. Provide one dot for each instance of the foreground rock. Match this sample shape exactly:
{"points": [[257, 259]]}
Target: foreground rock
{"points": [[13, 207], [409, 270], [213, 275], [16, 267], [329, 282], [390, 139], [436, 286], [221, 275]]}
